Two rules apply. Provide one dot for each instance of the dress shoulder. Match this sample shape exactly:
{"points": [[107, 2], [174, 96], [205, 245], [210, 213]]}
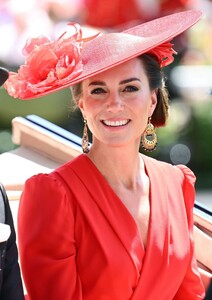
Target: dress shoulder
{"points": [[181, 172], [46, 191], [175, 176], [189, 193], [188, 174], [43, 183]]}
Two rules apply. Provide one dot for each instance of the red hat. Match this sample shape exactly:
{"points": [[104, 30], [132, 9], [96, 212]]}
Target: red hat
{"points": [[52, 66]]}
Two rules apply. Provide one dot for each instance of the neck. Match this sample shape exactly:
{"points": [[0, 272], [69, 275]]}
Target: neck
{"points": [[120, 166]]}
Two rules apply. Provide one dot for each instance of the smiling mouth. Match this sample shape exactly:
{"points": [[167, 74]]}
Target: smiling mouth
{"points": [[115, 123]]}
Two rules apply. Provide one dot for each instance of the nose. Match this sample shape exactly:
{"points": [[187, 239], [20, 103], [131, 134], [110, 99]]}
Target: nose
{"points": [[115, 103]]}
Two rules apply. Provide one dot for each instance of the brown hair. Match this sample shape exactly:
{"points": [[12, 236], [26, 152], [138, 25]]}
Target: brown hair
{"points": [[156, 82]]}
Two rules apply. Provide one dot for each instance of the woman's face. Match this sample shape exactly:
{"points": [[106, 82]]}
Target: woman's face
{"points": [[117, 104]]}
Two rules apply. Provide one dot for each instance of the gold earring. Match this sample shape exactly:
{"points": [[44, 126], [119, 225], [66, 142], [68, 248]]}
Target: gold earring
{"points": [[149, 137], [85, 141]]}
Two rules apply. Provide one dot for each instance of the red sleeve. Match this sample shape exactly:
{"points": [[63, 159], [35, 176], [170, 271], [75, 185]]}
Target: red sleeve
{"points": [[46, 240], [191, 287]]}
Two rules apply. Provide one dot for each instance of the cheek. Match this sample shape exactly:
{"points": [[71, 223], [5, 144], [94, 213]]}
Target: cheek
{"points": [[141, 106], [91, 107]]}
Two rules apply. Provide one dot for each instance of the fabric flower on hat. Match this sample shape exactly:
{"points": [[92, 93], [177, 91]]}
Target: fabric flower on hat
{"points": [[48, 64], [163, 53]]}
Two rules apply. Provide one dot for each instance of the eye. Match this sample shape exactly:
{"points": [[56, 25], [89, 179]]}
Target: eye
{"points": [[130, 89], [98, 91]]}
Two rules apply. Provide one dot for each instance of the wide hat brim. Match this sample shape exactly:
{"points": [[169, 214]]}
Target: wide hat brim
{"points": [[4, 74], [111, 49]]}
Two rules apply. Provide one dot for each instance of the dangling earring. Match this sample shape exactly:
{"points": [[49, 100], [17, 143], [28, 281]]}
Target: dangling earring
{"points": [[85, 141], [149, 137]]}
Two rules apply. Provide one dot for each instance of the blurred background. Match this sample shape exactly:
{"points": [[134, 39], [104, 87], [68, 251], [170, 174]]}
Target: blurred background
{"points": [[187, 138]]}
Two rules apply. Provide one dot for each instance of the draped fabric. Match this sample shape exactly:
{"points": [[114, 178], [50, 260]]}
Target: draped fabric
{"points": [[78, 241]]}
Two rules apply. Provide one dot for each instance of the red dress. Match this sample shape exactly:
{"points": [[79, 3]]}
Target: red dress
{"points": [[78, 241]]}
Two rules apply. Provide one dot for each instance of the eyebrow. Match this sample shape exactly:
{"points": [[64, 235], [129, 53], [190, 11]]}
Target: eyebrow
{"points": [[122, 82]]}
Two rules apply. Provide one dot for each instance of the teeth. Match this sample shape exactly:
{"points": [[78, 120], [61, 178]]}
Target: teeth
{"points": [[115, 123]]}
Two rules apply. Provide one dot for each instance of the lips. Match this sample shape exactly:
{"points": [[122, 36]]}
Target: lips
{"points": [[115, 123]]}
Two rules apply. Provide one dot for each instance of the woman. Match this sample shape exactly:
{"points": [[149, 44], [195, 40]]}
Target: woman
{"points": [[10, 278], [112, 223]]}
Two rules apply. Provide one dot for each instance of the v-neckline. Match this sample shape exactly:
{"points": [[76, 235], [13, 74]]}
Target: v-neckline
{"points": [[130, 216]]}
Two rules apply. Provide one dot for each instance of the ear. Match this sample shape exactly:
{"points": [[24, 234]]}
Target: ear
{"points": [[81, 107], [154, 100]]}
